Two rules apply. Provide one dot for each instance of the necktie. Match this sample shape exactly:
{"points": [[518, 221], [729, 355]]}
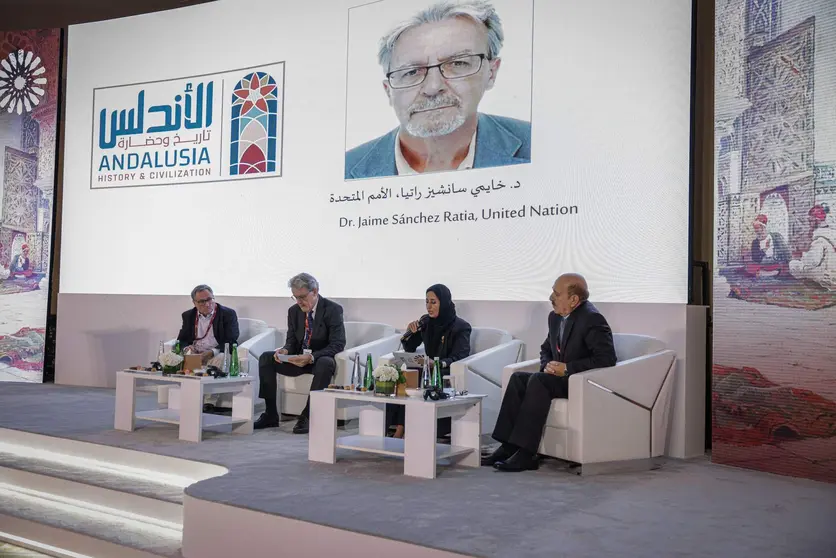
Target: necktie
{"points": [[560, 332], [306, 343]]}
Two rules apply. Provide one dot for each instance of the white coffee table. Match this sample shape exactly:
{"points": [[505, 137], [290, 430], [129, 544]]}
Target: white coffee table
{"points": [[418, 449], [190, 415]]}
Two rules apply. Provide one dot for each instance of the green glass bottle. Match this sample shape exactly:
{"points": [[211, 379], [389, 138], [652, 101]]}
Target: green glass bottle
{"points": [[437, 373], [234, 365], [368, 381], [176, 349]]}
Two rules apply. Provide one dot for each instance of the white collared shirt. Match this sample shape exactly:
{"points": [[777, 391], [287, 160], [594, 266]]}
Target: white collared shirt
{"points": [[767, 247], [403, 166], [204, 326]]}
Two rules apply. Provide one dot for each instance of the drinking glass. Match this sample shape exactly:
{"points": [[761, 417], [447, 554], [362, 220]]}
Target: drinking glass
{"points": [[449, 384]]}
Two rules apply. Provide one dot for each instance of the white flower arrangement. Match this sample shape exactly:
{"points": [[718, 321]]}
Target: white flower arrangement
{"points": [[170, 359], [385, 373]]}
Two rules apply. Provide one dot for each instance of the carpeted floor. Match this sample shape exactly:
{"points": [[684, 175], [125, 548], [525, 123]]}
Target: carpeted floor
{"points": [[19, 285], [24, 349], [684, 509], [778, 291]]}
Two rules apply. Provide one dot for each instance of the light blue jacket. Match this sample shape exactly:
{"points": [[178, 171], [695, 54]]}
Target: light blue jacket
{"points": [[500, 141]]}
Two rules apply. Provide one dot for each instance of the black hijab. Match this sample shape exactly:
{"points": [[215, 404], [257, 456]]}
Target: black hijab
{"points": [[438, 327]]}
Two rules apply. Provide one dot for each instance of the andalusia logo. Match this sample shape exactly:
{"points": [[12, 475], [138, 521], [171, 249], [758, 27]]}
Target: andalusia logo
{"points": [[254, 125]]}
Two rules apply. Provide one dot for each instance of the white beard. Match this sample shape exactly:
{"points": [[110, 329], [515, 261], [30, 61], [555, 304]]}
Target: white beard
{"points": [[434, 124], [435, 127]]}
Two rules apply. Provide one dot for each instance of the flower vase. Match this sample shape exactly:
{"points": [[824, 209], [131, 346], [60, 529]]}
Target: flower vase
{"points": [[384, 389], [170, 370]]}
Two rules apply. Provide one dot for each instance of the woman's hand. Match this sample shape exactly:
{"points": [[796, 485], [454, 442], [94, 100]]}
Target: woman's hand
{"points": [[413, 326]]}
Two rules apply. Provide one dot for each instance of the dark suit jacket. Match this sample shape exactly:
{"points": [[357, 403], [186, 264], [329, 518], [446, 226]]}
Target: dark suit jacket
{"points": [[500, 141], [455, 344], [225, 327], [587, 341], [328, 334]]}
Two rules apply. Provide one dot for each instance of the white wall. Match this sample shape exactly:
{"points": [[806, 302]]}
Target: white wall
{"points": [[100, 334]]}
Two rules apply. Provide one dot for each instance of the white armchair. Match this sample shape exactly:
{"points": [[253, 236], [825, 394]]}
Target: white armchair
{"points": [[360, 337], [490, 351], [615, 414], [481, 373]]}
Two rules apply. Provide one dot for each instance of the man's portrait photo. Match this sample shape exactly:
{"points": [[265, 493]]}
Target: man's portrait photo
{"points": [[438, 85]]}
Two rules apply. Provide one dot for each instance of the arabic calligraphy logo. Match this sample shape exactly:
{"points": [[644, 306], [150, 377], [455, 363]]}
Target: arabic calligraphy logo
{"points": [[185, 112], [254, 130], [20, 86]]}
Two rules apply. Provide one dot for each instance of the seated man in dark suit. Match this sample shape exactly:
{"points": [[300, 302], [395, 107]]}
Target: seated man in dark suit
{"points": [[208, 326], [315, 334], [579, 339]]}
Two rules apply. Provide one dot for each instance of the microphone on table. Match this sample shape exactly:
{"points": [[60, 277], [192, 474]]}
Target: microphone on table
{"points": [[422, 325]]}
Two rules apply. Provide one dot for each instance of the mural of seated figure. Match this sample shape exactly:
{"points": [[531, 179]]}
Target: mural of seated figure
{"points": [[20, 264], [818, 263], [770, 252]]}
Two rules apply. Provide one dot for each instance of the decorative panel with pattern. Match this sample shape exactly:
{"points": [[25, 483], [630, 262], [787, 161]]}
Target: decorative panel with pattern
{"points": [[763, 18], [778, 128], [20, 196], [729, 52], [29, 134]]}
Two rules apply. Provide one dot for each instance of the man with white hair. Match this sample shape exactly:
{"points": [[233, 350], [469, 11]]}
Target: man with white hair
{"points": [[438, 65], [315, 334]]}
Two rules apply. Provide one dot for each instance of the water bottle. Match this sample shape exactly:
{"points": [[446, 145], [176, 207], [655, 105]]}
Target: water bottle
{"points": [[368, 382], [160, 351], [225, 366], [233, 363], [437, 373], [425, 374], [355, 372]]}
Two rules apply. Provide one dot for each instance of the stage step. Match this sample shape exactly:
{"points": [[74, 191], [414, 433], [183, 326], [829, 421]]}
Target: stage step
{"points": [[60, 497], [95, 533], [169, 493]]}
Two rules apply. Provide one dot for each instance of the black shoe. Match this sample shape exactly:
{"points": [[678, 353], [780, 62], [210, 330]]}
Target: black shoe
{"points": [[301, 426], [213, 410], [501, 453], [520, 461], [266, 421]]}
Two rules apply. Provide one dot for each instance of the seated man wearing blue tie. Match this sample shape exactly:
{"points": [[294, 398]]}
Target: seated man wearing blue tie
{"points": [[579, 339], [315, 334]]}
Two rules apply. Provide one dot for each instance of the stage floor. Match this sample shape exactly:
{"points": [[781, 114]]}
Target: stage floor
{"points": [[685, 509]]}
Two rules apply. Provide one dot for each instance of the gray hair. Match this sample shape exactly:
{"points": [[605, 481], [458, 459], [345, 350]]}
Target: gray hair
{"points": [[303, 281], [202, 288], [480, 11]]}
